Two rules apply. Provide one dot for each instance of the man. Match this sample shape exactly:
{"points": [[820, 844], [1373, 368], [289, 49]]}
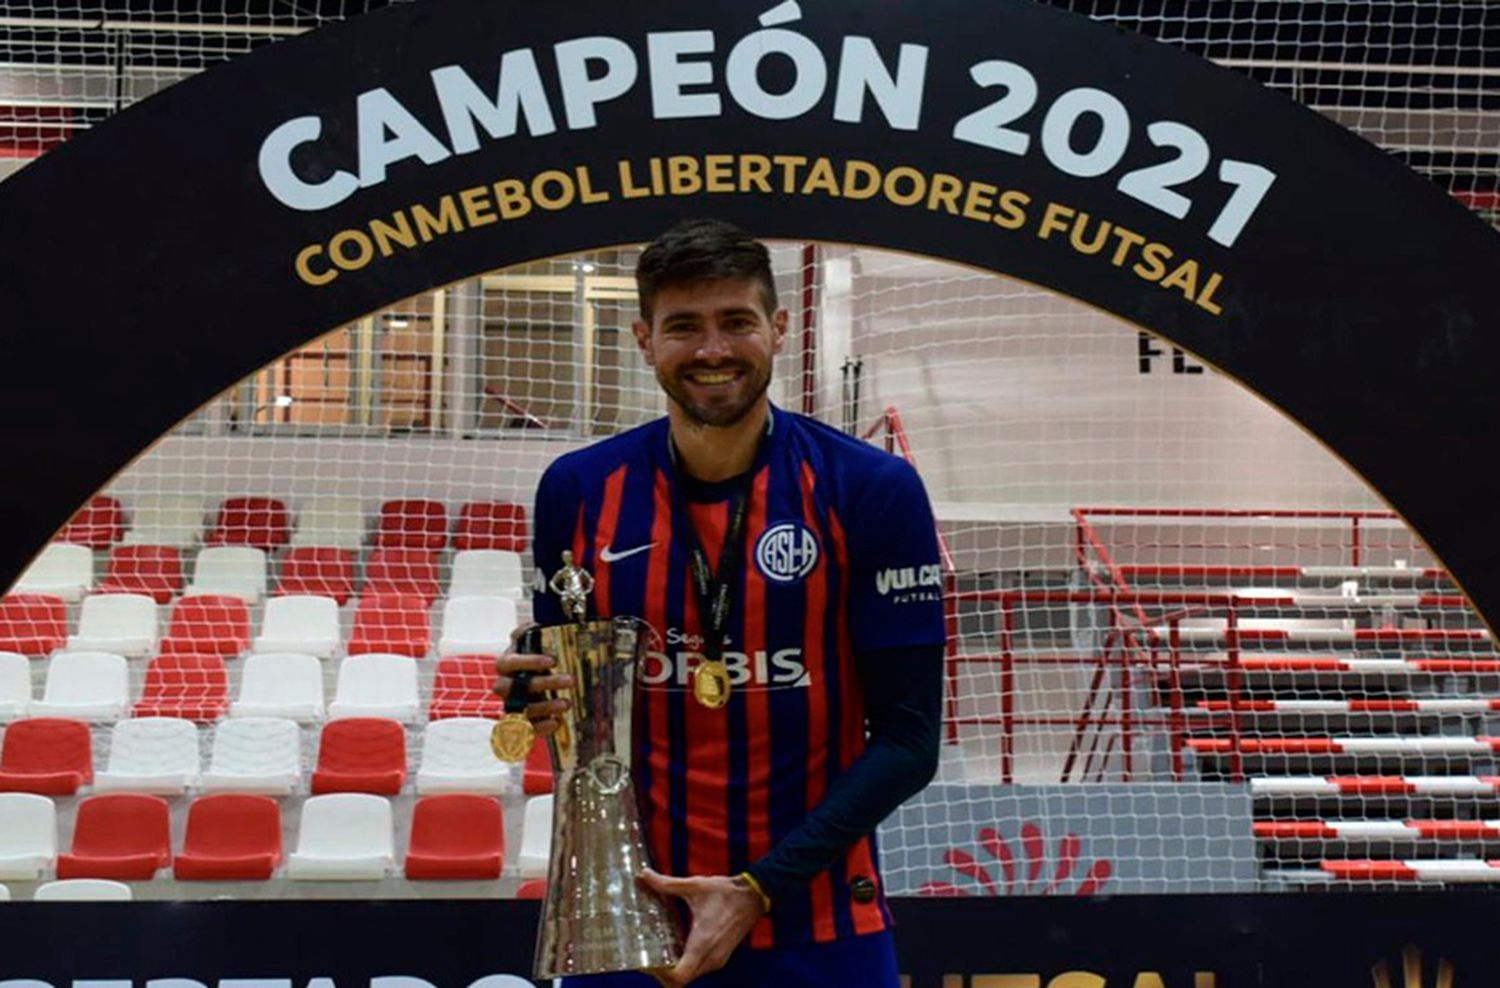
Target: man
{"points": [[818, 555]]}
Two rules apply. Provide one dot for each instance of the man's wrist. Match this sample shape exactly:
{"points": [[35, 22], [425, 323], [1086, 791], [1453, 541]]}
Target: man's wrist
{"points": [[748, 881]]}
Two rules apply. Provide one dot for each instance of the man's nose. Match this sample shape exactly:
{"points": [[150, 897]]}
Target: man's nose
{"points": [[713, 346]]}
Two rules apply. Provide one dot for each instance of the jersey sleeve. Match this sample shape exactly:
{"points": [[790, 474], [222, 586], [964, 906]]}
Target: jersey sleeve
{"points": [[895, 569], [554, 520]]}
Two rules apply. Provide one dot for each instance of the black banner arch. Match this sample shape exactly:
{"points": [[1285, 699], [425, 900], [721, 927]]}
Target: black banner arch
{"points": [[191, 239]]}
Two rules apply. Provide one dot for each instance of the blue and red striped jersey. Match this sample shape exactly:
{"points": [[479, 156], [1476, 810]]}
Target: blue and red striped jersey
{"points": [[840, 557]]}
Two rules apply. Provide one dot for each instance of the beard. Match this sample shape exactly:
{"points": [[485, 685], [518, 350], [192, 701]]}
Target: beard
{"points": [[725, 410]]}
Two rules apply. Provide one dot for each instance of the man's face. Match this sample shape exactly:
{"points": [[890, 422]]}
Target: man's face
{"points": [[711, 343]]}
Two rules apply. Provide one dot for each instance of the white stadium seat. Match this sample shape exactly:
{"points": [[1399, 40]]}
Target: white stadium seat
{"points": [[85, 686], [231, 570], [477, 625], [166, 520], [15, 685], [156, 755], [330, 522], [4, 893], [487, 572], [305, 624], [83, 890], [123, 623], [64, 570], [28, 836], [536, 837], [376, 685], [281, 684], [457, 757], [344, 836], [255, 755]]}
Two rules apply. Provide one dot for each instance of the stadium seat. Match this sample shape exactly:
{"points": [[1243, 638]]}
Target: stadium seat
{"points": [[82, 890], [376, 685], [281, 684], [407, 572], [85, 685], [15, 685], [330, 522], [477, 626], [536, 838], [532, 888], [167, 520], [317, 571], [259, 522], [49, 756], [491, 525], [123, 836], [123, 623], [412, 524], [4, 893], [234, 570], [344, 836], [208, 624], [361, 754], [230, 837], [456, 836], [32, 624], [156, 755], [487, 572], [97, 525], [309, 625], [153, 570], [536, 777], [190, 687], [457, 757], [28, 836], [61, 569], [464, 687], [391, 623], [255, 755]]}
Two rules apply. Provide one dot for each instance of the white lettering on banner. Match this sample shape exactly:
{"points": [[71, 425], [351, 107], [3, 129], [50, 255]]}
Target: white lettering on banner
{"points": [[1084, 132], [385, 981], [782, 669]]}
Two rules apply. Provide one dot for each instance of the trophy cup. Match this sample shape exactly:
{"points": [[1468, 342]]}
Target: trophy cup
{"points": [[596, 916]]}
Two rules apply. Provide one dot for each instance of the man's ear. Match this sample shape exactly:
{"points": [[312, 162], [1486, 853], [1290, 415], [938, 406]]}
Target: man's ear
{"points": [[642, 331], [779, 320]]}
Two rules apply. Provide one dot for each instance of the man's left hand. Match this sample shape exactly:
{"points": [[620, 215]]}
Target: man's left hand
{"points": [[724, 909]]}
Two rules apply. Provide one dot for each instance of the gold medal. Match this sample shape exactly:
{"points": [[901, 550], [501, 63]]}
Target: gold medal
{"points": [[512, 737], [711, 684]]}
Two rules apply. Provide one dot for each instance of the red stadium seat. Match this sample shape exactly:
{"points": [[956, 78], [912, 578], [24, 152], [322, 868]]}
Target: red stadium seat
{"points": [[98, 524], [193, 687], [208, 624], [403, 571], [32, 624], [318, 572], [230, 837], [412, 524], [124, 836], [464, 686], [456, 836], [361, 754], [260, 522], [391, 623], [152, 570], [532, 888], [536, 779], [491, 525], [50, 756]]}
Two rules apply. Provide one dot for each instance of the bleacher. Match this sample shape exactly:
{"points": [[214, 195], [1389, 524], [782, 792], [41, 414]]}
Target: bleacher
{"points": [[194, 697]]}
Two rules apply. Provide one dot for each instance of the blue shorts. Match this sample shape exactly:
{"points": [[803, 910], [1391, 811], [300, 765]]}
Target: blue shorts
{"points": [[867, 961]]}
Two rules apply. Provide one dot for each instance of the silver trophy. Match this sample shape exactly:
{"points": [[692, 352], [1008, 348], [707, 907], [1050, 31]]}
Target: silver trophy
{"points": [[597, 917]]}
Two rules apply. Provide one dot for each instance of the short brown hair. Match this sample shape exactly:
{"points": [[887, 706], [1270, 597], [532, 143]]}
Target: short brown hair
{"points": [[703, 250]]}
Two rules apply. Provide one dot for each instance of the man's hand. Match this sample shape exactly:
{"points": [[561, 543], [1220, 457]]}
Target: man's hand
{"points": [[724, 909], [544, 714]]}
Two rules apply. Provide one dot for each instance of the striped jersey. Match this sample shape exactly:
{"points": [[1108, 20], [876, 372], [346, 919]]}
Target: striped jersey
{"points": [[840, 557]]}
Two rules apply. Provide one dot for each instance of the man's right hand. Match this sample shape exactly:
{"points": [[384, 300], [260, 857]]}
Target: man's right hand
{"points": [[544, 714]]}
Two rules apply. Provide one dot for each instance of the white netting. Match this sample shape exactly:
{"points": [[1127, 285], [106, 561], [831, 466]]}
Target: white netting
{"points": [[1190, 651]]}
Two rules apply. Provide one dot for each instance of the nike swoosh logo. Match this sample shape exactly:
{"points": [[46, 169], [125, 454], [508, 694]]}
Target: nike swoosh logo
{"points": [[608, 555]]}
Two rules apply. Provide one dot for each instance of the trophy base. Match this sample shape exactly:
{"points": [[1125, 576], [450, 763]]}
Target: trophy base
{"points": [[608, 943]]}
